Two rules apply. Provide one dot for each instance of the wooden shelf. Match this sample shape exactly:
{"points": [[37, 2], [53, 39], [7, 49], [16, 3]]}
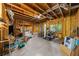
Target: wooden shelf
{"points": [[4, 41]]}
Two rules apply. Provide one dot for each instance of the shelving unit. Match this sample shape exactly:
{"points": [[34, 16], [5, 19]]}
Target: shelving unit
{"points": [[3, 37]]}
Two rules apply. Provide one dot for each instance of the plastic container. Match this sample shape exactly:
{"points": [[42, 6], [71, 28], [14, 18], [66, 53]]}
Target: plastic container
{"points": [[69, 42]]}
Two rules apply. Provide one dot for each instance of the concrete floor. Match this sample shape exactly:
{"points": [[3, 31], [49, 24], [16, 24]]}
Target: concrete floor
{"points": [[39, 47]]}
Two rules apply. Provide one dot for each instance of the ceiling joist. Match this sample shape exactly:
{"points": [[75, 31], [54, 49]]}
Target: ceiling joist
{"points": [[41, 11], [26, 17], [20, 12], [24, 11], [55, 7], [28, 8], [60, 10], [38, 7], [52, 11], [74, 7]]}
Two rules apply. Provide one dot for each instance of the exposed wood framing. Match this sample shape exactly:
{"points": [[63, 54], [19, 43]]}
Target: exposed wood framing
{"points": [[52, 11], [70, 16], [63, 6], [37, 6], [74, 7], [55, 7], [24, 11], [43, 6], [28, 8], [29, 13], [34, 11], [60, 10], [41, 9], [17, 17], [21, 13], [27, 17]]}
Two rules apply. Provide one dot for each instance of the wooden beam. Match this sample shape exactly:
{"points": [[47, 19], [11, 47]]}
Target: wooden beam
{"points": [[63, 6], [27, 17], [24, 11], [23, 18], [19, 12], [70, 33], [52, 11], [43, 6], [37, 6], [41, 9], [55, 7], [28, 8], [74, 7], [60, 10]]}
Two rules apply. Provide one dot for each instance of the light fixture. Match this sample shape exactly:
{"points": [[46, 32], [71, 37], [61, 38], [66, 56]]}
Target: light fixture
{"points": [[38, 16]]}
